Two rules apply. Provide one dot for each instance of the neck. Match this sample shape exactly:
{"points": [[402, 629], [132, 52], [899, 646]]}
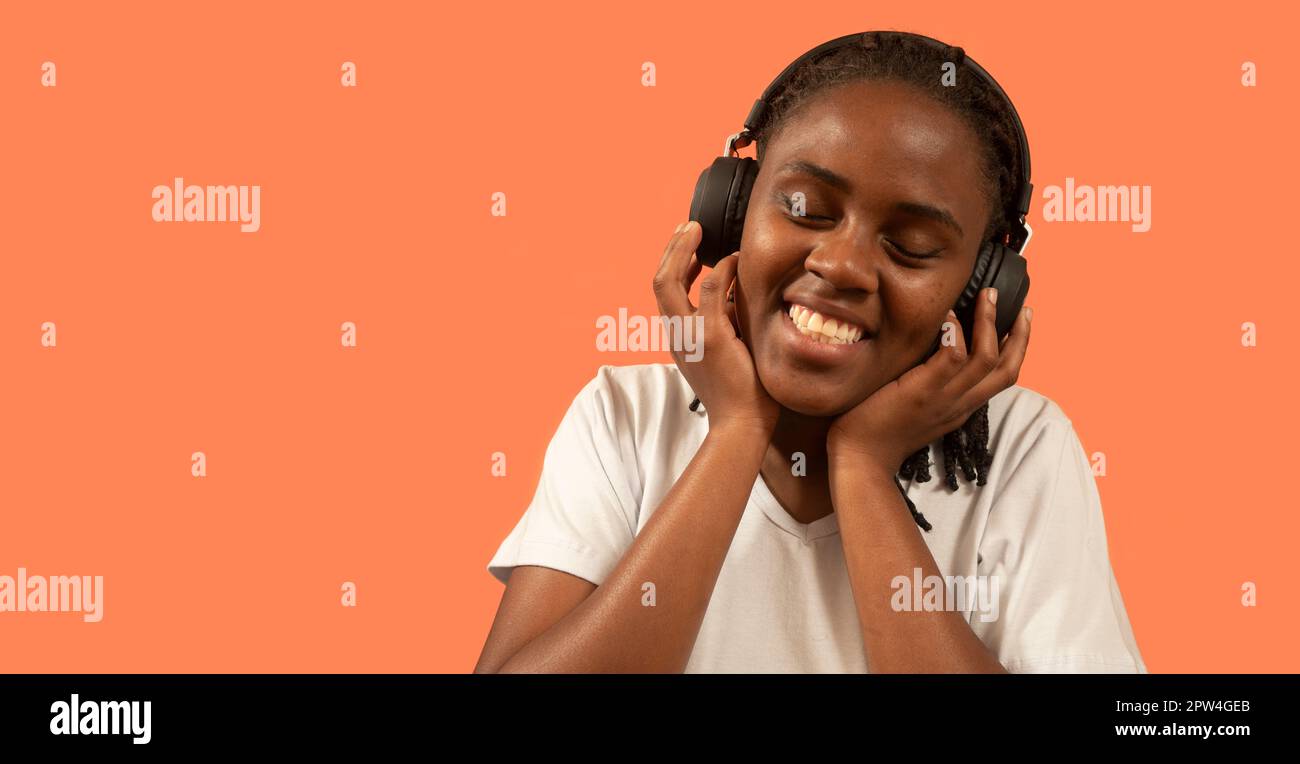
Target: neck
{"points": [[801, 433], [805, 497]]}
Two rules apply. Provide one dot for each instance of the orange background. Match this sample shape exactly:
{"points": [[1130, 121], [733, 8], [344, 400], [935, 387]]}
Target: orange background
{"points": [[372, 464]]}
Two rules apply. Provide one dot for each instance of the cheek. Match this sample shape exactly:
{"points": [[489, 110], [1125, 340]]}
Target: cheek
{"points": [[910, 299], [915, 309], [760, 234], [759, 272], [750, 295], [939, 289]]}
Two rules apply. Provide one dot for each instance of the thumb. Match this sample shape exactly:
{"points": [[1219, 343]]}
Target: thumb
{"points": [[731, 314]]}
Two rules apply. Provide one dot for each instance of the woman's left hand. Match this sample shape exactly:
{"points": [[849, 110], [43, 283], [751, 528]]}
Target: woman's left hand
{"points": [[935, 397]]}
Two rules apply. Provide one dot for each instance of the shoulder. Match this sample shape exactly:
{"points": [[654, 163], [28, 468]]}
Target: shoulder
{"points": [[1028, 431], [1035, 445], [638, 382], [1019, 412], [641, 397]]}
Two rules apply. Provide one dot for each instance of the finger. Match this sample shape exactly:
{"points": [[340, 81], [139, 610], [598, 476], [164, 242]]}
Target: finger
{"points": [[731, 315], [930, 374], [668, 248], [692, 273], [662, 270], [688, 241], [713, 290], [1007, 372], [984, 347], [685, 262], [670, 282], [949, 358]]}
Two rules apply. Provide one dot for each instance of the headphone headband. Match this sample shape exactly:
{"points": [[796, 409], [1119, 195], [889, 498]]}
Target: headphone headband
{"points": [[758, 114]]}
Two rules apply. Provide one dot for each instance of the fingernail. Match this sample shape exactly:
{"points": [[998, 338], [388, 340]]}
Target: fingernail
{"points": [[679, 228], [1029, 314], [689, 225], [993, 295], [952, 315]]}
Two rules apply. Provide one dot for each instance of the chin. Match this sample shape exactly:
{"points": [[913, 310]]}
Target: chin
{"points": [[792, 392]]}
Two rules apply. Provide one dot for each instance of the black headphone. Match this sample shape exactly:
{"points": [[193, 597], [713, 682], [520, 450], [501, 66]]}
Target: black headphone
{"points": [[722, 196]]}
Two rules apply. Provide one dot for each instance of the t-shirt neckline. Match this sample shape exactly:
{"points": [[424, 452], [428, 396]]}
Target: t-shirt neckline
{"points": [[805, 532]]}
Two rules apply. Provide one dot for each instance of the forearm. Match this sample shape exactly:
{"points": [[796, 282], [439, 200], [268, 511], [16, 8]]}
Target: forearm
{"points": [[680, 551], [882, 541]]}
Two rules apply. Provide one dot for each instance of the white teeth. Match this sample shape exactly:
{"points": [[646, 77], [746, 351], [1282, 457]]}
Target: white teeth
{"points": [[814, 325]]}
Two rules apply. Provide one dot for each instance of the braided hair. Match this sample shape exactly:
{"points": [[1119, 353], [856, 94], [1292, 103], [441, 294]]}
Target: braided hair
{"points": [[889, 56]]}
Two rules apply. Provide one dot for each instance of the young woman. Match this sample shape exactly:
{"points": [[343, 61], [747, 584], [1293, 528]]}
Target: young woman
{"points": [[765, 530]]}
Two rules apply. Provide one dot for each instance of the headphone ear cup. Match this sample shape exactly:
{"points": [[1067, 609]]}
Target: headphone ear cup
{"points": [[997, 266], [1009, 274], [981, 277], [719, 204], [1001, 267], [1012, 281]]}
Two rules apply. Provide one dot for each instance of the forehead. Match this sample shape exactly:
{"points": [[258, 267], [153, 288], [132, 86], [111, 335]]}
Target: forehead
{"points": [[875, 132]]}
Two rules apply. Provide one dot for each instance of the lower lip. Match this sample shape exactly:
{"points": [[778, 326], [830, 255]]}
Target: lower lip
{"points": [[822, 351]]}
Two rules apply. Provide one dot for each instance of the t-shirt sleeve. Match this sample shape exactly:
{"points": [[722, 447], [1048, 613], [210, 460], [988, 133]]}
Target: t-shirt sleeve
{"points": [[582, 517], [1060, 609]]}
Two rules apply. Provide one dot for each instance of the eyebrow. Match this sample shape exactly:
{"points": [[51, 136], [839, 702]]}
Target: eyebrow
{"points": [[837, 181]]}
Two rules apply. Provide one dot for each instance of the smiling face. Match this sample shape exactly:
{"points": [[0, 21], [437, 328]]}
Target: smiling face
{"points": [[904, 179]]}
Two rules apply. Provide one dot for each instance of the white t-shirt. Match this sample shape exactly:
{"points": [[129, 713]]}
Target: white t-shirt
{"points": [[783, 602]]}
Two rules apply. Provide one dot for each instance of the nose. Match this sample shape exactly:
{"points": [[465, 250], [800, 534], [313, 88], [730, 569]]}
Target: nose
{"points": [[847, 261]]}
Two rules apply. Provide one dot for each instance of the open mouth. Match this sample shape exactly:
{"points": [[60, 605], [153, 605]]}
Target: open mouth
{"points": [[819, 328]]}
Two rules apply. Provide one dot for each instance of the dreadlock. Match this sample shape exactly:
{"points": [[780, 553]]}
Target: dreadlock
{"points": [[888, 56]]}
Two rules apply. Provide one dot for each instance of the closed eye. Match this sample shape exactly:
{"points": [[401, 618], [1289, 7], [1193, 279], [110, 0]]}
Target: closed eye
{"points": [[913, 255], [787, 205]]}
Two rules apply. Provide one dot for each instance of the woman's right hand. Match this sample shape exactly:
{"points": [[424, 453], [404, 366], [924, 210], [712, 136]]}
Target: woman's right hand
{"points": [[722, 372]]}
